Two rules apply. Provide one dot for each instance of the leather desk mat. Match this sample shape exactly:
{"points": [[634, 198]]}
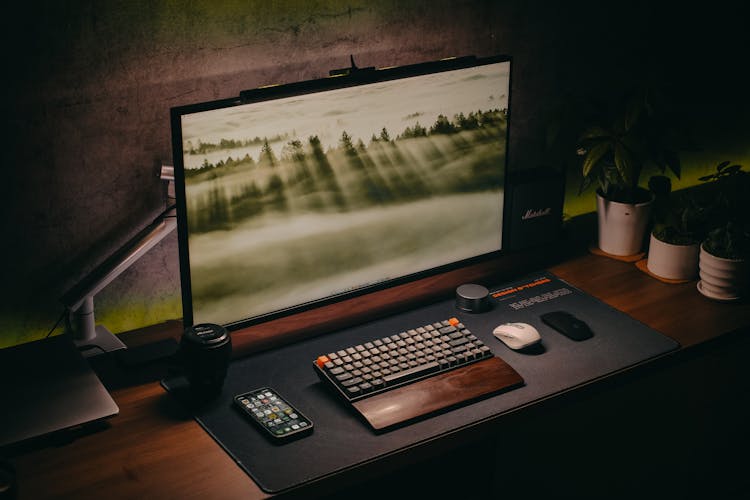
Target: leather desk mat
{"points": [[341, 440]]}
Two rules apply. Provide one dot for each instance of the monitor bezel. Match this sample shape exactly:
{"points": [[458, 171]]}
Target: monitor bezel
{"points": [[352, 77]]}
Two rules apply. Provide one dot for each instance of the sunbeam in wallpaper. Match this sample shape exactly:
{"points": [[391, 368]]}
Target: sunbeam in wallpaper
{"points": [[298, 199]]}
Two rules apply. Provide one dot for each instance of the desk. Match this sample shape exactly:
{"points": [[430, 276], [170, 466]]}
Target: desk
{"points": [[152, 451]]}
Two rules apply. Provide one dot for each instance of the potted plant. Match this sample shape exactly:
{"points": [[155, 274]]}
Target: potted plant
{"points": [[679, 228], [614, 157], [724, 266]]}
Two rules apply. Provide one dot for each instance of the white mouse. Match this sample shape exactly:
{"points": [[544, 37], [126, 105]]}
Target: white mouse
{"points": [[517, 335]]}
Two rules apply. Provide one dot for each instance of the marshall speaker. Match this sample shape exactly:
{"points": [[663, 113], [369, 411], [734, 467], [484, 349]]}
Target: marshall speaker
{"points": [[535, 203]]}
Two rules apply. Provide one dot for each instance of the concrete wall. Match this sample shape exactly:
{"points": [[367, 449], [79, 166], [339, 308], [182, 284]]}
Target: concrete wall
{"points": [[89, 85]]}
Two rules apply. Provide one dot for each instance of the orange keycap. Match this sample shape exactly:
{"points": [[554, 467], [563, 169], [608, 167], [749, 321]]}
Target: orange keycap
{"points": [[322, 360], [453, 321]]}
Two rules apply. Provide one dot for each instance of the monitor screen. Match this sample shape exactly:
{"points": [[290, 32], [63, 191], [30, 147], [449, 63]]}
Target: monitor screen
{"points": [[305, 193]]}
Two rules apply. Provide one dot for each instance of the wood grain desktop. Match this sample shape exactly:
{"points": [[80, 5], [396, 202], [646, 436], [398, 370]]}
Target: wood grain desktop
{"points": [[153, 449]]}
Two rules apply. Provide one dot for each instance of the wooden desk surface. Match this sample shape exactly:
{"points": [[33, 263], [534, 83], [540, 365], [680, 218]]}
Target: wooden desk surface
{"points": [[152, 450]]}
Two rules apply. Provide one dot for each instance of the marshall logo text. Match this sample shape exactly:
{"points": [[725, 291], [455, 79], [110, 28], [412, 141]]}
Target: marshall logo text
{"points": [[532, 214]]}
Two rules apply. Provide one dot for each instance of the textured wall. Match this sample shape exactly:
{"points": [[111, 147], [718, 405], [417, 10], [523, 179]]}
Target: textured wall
{"points": [[86, 107]]}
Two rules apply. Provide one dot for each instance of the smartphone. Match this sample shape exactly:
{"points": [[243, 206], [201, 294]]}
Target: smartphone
{"points": [[278, 419]]}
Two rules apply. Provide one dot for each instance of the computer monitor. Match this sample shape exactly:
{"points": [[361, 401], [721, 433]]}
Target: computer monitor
{"points": [[296, 195]]}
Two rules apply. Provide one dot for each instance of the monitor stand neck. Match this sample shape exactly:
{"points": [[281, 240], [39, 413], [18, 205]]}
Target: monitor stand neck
{"points": [[92, 339]]}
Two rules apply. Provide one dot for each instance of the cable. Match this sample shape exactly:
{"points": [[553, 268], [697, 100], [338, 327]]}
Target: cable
{"points": [[57, 323], [164, 212]]}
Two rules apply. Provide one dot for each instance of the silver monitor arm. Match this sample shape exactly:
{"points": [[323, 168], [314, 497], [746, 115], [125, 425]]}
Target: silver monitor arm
{"points": [[79, 300]]}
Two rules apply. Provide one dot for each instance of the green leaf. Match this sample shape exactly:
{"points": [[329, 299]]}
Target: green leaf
{"points": [[731, 170], [625, 164], [585, 183], [593, 157]]}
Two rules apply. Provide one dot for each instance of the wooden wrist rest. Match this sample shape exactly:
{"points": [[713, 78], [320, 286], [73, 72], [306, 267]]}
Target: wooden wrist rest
{"points": [[439, 392]]}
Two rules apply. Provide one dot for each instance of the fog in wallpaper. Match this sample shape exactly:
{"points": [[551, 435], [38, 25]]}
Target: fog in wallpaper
{"points": [[301, 198]]}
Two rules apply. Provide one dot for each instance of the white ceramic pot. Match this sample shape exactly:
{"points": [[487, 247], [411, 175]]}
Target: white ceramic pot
{"points": [[722, 279], [674, 262], [622, 226]]}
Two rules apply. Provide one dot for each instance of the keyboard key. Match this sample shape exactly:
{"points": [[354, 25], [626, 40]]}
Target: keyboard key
{"points": [[459, 341], [411, 373], [322, 360], [459, 348], [352, 381]]}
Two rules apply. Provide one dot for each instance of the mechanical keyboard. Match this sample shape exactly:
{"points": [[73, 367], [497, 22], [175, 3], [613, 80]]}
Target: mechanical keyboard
{"points": [[363, 370]]}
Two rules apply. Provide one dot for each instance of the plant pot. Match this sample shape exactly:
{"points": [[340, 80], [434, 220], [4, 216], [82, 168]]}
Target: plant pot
{"points": [[622, 226], [722, 279], [675, 262]]}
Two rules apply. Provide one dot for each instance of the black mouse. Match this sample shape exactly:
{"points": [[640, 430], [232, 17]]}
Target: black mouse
{"points": [[568, 325]]}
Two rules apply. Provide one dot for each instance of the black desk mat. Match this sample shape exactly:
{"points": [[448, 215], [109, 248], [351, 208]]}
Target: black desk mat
{"points": [[341, 441]]}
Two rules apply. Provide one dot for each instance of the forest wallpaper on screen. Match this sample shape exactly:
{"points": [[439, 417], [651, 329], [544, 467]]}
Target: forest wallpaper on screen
{"points": [[343, 189]]}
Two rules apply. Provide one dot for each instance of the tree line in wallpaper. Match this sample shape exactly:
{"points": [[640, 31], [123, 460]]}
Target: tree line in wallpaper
{"points": [[451, 156]]}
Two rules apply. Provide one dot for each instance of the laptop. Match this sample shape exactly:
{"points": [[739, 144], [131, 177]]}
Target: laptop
{"points": [[47, 386]]}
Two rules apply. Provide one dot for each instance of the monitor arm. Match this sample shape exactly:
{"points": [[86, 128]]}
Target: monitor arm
{"points": [[79, 300]]}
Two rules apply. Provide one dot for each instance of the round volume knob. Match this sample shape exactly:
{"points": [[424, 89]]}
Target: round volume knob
{"points": [[472, 298]]}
